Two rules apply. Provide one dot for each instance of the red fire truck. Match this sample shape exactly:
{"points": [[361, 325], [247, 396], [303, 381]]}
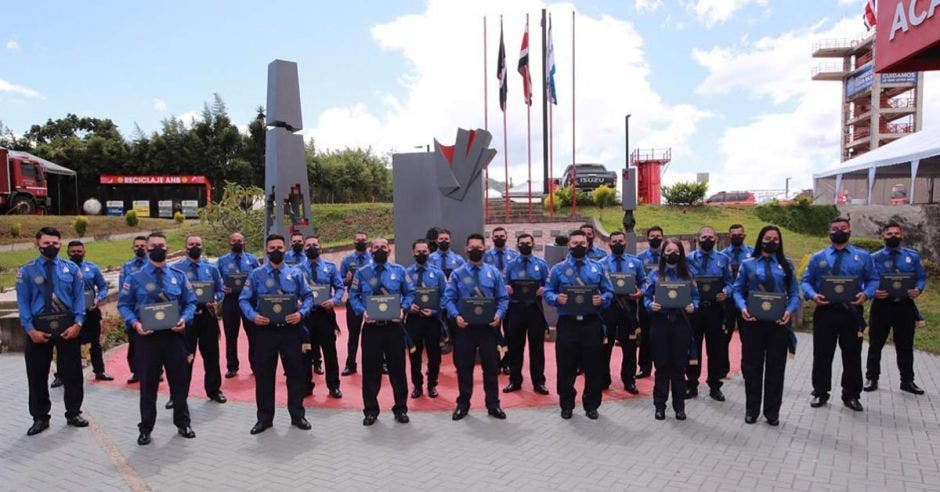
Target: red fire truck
{"points": [[23, 184]]}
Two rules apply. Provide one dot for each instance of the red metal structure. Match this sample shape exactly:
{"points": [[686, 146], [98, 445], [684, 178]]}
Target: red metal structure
{"points": [[649, 164]]}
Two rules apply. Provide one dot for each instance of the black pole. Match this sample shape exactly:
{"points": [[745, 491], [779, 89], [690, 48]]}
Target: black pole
{"points": [[626, 139], [545, 185]]}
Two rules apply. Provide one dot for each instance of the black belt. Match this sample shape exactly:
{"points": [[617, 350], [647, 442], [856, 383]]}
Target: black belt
{"points": [[578, 317], [383, 323]]}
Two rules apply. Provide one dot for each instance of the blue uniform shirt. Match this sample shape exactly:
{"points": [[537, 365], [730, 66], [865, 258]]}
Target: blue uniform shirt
{"points": [[492, 256], [738, 255], [140, 289], [906, 261], [596, 253], [856, 262], [261, 282], [325, 273], [203, 271], [130, 266], [431, 277], [521, 269], [628, 264], [93, 278], [566, 273], [650, 259], [368, 282], [463, 284], [234, 263], [68, 288], [671, 275], [354, 258], [751, 278], [715, 265], [294, 259], [449, 261]]}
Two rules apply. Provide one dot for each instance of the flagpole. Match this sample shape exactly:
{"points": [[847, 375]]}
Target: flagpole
{"points": [[551, 162], [546, 188], [529, 123], [574, 168], [505, 136], [486, 126]]}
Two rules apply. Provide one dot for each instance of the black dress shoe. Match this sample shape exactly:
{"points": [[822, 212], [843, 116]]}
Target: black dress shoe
{"points": [[505, 370], [512, 387], [369, 420], [103, 376], [660, 414], [219, 397], [186, 432], [336, 393], [459, 413], [231, 374], [497, 413], [541, 389], [416, 393], [774, 421], [318, 368], [432, 391], [348, 370], [143, 439], [910, 387], [77, 421], [56, 382], [691, 392], [818, 401], [260, 427], [716, 395], [643, 374], [38, 426], [680, 415], [750, 419], [566, 413], [169, 405], [853, 403], [592, 414], [631, 388], [301, 423], [402, 418], [384, 368], [870, 385], [131, 380]]}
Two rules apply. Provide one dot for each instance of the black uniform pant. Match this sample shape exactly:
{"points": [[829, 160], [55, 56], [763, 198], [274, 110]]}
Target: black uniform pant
{"points": [[621, 323], [132, 352], [645, 358], [526, 321], [232, 319], [467, 341], [69, 366], [733, 321], [887, 315], [708, 326], [763, 363], [271, 342], [164, 349], [426, 335], [354, 327], [670, 335], [383, 341], [580, 342], [91, 334], [203, 334], [321, 325], [836, 324]]}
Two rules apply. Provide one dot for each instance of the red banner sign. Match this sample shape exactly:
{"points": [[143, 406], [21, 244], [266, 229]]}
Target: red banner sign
{"points": [[908, 36], [153, 180]]}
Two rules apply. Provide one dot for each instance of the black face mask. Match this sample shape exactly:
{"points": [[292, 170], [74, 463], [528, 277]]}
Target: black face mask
{"points": [[737, 241], [421, 258], [49, 251], [238, 248], [77, 259], [475, 254], [140, 252], [578, 251], [276, 256], [893, 242], [443, 245], [839, 237], [380, 256], [617, 249], [499, 242], [158, 254], [656, 242], [525, 249], [360, 246], [707, 245], [313, 252], [770, 246], [672, 259], [297, 248], [195, 252]]}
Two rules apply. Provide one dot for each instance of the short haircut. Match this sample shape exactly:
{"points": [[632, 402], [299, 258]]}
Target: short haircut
{"points": [[735, 226], [273, 237], [561, 240], [192, 235], [473, 236], [443, 231], [417, 242], [654, 229], [839, 219], [576, 233], [617, 233], [76, 242], [360, 233], [311, 236], [156, 234], [498, 229], [707, 228], [295, 234], [891, 225], [140, 238], [525, 235], [586, 226]]}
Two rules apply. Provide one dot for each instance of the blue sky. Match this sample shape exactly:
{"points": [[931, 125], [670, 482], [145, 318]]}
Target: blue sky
{"points": [[723, 82]]}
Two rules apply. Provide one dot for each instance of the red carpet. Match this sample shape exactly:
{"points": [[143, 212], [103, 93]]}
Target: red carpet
{"points": [[242, 389]]}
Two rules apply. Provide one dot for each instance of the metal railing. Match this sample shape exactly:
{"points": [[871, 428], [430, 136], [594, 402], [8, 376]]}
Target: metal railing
{"points": [[828, 68], [898, 103], [836, 43]]}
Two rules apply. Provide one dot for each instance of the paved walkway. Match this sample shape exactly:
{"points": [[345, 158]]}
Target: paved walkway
{"points": [[893, 445]]}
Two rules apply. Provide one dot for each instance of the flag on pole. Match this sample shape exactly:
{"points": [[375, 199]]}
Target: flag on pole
{"points": [[501, 69], [550, 65], [524, 66], [871, 17]]}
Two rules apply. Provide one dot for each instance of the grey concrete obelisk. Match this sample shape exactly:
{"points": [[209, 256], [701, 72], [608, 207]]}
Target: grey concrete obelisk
{"points": [[286, 187]]}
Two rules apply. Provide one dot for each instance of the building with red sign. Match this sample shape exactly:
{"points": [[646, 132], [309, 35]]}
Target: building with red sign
{"points": [[908, 36], [155, 196]]}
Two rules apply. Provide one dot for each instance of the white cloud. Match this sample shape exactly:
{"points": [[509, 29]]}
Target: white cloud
{"points": [[159, 105], [18, 89], [851, 2], [189, 118], [712, 12], [13, 44], [647, 5]]}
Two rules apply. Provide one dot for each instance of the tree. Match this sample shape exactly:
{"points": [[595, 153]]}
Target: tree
{"points": [[685, 193]]}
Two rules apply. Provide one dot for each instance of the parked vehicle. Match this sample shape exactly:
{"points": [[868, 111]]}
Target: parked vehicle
{"points": [[589, 176], [23, 184], [731, 198]]}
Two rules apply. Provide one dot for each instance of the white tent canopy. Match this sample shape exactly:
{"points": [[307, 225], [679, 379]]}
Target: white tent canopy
{"points": [[49, 166]]}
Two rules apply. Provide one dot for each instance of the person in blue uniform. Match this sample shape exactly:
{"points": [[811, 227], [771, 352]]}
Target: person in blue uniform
{"points": [[580, 337], [839, 324], [736, 252], [382, 339], [670, 330], [444, 258], [347, 269], [621, 317], [650, 259], [424, 325], [296, 255], [764, 343], [158, 283], [594, 252], [321, 322], [525, 318], [476, 279], [271, 340], [49, 285], [91, 328], [708, 322], [895, 314], [131, 266], [237, 261], [500, 256]]}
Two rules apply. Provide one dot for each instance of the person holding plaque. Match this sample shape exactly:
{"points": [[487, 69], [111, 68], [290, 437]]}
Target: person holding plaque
{"points": [[767, 295], [327, 285], [234, 268], [525, 279], [579, 288], [158, 303], [902, 280], [737, 252], [424, 319], [671, 297], [96, 291], [476, 301], [712, 272], [381, 293], [839, 279], [131, 266], [650, 258], [499, 256], [276, 298], [51, 302], [203, 332], [447, 261], [627, 276], [347, 269]]}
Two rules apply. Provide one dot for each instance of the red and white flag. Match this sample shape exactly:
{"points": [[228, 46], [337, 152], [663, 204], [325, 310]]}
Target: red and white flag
{"points": [[524, 67], [871, 14]]}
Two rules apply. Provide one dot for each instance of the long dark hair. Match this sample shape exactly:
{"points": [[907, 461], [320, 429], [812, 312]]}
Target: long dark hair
{"points": [[683, 266], [781, 257]]}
